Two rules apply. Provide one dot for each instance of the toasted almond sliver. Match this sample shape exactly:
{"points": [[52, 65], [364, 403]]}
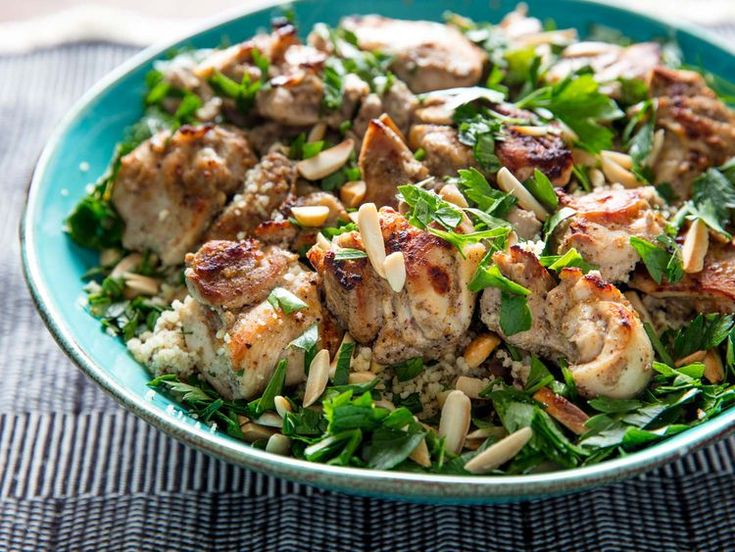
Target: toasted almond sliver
{"points": [[622, 159], [317, 132], [455, 421], [583, 157], [127, 264], [139, 284], [254, 432], [530, 130], [323, 242], [278, 444], [562, 410], [310, 215], [597, 179], [283, 406], [356, 378], [395, 271], [658, 144], [470, 386], [372, 237], [499, 453], [390, 123], [638, 306], [510, 184], [695, 247], [421, 455], [326, 162], [384, 403], [269, 419], [110, 256], [480, 348], [318, 377], [484, 432], [617, 174], [352, 193], [696, 356], [451, 193], [714, 371]]}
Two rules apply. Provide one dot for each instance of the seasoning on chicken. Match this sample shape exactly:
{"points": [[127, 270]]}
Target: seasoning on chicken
{"points": [[431, 313], [583, 318], [171, 186], [603, 224], [699, 128], [229, 325], [267, 186], [386, 163], [445, 154], [427, 55], [710, 290], [398, 102]]}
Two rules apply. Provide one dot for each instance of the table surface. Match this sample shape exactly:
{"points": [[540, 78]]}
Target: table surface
{"points": [[79, 473]]}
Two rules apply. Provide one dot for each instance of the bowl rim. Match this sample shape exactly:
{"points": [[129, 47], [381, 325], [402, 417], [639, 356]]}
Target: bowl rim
{"points": [[367, 482]]}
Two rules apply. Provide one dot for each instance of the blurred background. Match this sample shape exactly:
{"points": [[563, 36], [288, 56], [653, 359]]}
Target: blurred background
{"points": [[30, 24]]}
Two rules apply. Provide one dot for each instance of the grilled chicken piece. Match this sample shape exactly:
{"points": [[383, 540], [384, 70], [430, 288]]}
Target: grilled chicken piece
{"points": [[427, 318], [603, 224], [445, 154], [267, 186], [608, 62], [700, 129], [583, 319], [171, 186], [237, 336], [398, 102], [711, 290], [427, 55], [293, 100], [386, 163], [522, 153]]}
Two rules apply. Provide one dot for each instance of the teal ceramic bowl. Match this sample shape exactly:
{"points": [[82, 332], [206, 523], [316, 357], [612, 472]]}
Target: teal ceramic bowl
{"points": [[53, 264]]}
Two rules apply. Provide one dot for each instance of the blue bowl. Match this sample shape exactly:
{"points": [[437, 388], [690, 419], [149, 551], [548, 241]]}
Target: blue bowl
{"points": [[54, 265]]}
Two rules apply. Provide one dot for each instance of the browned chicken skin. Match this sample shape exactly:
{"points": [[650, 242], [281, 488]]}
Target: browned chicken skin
{"points": [[171, 186], [711, 290], [426, 318], [603, 224], [700, 129]]}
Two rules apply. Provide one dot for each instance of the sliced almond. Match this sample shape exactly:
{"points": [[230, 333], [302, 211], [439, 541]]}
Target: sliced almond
{"points": [[395, 271], [317, 132], [372, 237], [455, 421], [318, 377], [714, 371], [356, 378], [421, 455], [278, 444], [695, 247], [510, 184], [597, 179], [110, 256], [472, 387], [283, 406], [562, 410], [696, 356], [352, 193], [384, 403], [484, 432], [323, 242], [617, 174], [530, 130], [622, 159], [353, 216], [126, 264], [480, 348], [451, 193], [387, 121], [269, 419], [656, 147], [638, 306], [498, 454], [326, 162], [310, 215], [138, 284], [583, 157], [254, 432]]}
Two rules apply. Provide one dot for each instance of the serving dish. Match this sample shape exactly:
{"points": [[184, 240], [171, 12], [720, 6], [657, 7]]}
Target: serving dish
{"points": [[53, 265]]}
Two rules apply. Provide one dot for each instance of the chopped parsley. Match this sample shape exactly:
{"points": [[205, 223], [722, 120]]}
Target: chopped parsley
{"points": [[281, 298], [662, 259]]}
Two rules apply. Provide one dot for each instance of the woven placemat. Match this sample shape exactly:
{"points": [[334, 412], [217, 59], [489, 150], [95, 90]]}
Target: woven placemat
{"points": [[79, 473]]}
